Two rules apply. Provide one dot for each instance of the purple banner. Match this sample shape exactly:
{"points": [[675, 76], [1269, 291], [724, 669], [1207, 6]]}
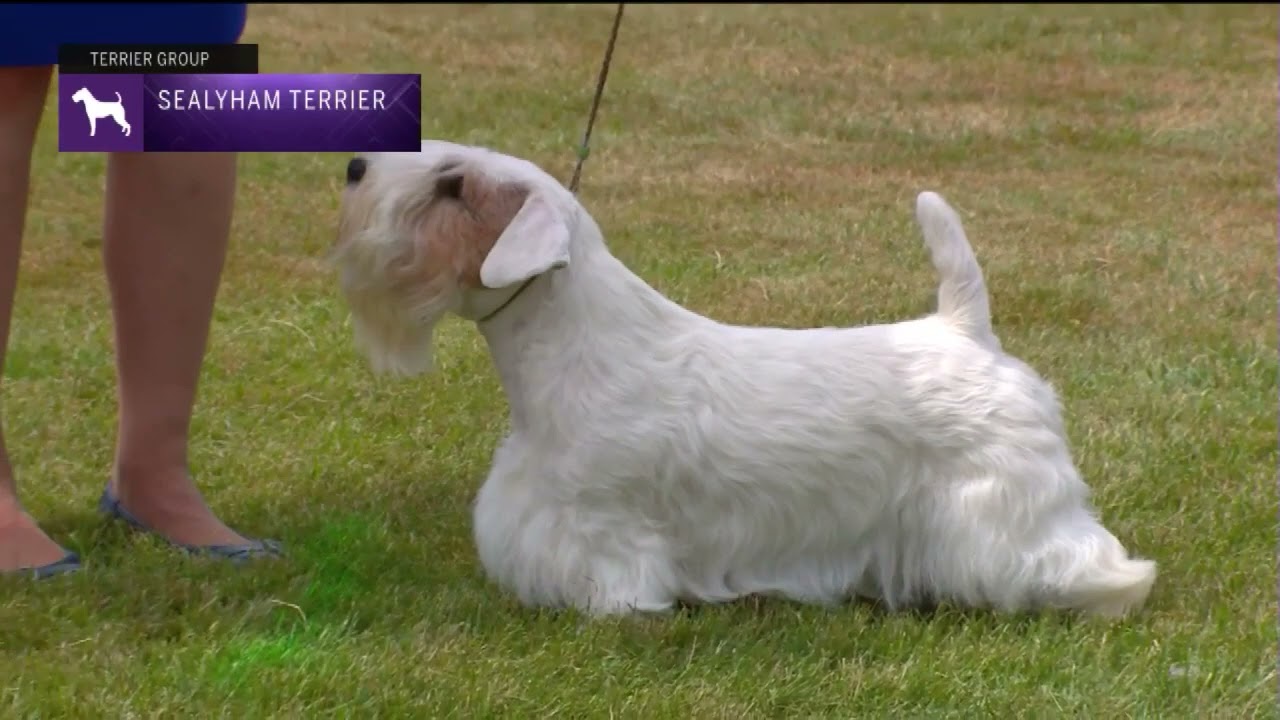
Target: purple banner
{"points": [[242, 113]]}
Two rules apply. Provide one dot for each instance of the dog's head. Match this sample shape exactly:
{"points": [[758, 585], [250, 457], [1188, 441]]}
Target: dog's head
{"points": [[452, 228], [81, 95]]}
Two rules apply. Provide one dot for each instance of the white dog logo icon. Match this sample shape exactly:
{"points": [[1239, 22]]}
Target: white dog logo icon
{"points": [[95, 109]]}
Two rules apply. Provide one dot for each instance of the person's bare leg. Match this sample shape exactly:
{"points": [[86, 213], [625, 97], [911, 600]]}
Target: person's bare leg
{"points": [[168, 219], [22, 96]]}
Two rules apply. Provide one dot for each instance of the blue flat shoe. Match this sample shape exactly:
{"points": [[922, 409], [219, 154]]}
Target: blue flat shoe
{"points": [[67, 564], [110, 506]]}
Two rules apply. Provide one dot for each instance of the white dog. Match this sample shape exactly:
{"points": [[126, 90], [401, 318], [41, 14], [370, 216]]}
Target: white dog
{"points": [[657, 456], [96, 109]]}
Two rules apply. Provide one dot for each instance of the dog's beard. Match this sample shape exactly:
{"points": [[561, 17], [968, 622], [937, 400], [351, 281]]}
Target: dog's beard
{"points": [[397, 338]]}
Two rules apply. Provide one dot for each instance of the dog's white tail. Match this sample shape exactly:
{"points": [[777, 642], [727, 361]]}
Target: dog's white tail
{"points": [[962, 293], [118, 98]]}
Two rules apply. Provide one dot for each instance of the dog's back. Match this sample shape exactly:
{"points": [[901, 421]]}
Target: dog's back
{"points": [[889, 457]]}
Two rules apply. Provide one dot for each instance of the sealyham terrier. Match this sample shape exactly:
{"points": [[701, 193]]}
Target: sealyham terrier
{"points": [[656, 456]]}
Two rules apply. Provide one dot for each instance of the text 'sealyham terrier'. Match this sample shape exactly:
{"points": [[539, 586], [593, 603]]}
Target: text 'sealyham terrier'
{"points": [[657, 456]]}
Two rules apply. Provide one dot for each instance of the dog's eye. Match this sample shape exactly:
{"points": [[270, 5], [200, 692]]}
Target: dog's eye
{"points": [[356, 170], [449, 186]]}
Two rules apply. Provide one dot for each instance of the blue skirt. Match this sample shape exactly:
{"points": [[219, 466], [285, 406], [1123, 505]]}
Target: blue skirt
{"points": [[30, 33]]}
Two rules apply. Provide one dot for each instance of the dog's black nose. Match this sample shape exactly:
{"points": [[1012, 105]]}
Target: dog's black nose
{"points": [[355, 170]]}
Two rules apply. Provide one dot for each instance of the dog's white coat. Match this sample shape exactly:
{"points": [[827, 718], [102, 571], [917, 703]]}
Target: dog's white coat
{"points": [[658, 456], [96, 109]]}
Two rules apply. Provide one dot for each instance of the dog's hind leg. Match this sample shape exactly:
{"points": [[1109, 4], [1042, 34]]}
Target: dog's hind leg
{"points": [[1084, 567], [1012, 546]]}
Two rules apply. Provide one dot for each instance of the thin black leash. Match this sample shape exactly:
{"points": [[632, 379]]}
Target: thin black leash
{"points": [[585, 150]]}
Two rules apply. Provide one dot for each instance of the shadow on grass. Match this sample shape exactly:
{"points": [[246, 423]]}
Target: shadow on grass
{"points": [[875, 613]]}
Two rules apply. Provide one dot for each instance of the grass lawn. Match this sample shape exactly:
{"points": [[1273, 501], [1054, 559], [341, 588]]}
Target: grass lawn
{"points": [[1116, 170]]}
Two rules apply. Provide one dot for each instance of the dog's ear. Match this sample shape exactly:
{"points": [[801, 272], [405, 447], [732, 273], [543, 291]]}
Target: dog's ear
{"points": [[535, 241]]}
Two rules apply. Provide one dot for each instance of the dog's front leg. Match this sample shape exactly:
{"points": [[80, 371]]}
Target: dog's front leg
{"points": [[553, 553], [93, 126]]}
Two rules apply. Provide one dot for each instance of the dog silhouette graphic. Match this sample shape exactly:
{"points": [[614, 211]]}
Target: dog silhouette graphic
{"points": [[96, 109]]}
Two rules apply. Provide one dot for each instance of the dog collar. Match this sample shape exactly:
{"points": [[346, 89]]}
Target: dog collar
{"points": [[509, 300]]}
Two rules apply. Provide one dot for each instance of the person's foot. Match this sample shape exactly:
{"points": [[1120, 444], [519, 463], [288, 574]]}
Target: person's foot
{"points": [[23, 544], [170, 506]]}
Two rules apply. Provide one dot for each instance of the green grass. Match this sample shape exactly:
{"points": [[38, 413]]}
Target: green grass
{"points": [[1116, 168]]}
